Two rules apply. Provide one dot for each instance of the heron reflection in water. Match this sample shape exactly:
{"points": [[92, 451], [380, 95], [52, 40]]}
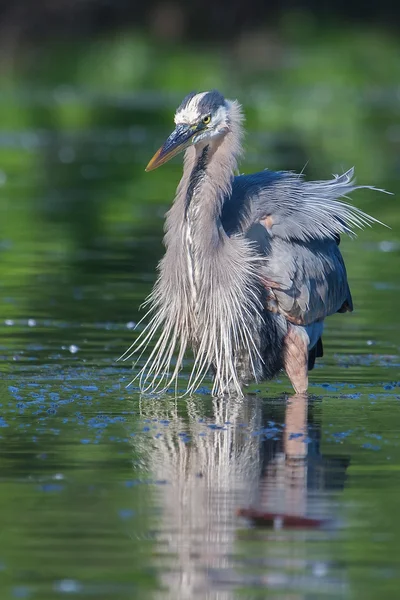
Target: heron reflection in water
{"points": [[229, 455], [252, 264]]}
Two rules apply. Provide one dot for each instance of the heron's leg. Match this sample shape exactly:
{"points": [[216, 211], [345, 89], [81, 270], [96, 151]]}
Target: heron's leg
{"points": [[295, 358]]}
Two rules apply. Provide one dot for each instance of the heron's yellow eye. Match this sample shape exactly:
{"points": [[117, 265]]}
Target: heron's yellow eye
{"points": [[206, 119]]}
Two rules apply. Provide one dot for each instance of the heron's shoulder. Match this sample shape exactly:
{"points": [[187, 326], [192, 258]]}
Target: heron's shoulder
{"points": [[261, 179], [264, 187], [248, 192]]}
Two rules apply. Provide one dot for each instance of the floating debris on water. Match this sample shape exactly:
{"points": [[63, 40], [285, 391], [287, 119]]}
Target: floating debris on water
{"points": [[280, 521]]}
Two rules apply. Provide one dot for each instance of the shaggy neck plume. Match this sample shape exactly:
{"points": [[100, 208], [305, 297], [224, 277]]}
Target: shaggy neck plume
{"points": [[195, 302]]}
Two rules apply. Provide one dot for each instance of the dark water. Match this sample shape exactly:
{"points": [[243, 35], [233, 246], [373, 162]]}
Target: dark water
{"points": [[108, 495]]}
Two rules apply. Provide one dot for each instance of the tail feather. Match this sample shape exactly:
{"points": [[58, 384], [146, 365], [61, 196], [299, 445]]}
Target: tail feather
{"points": [[316, 352]]}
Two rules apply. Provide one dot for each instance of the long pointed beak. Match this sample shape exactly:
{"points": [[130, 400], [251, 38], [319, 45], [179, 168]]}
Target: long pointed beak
{"points": [[179, 140]]}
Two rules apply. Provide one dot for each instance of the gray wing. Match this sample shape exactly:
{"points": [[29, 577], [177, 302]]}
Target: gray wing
{"points": [[295, 209], [305, 282], [297, 225]]}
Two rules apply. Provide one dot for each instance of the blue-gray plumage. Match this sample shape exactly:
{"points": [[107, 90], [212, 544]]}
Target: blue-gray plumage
{"points": [[304, 261], [252, 264]]}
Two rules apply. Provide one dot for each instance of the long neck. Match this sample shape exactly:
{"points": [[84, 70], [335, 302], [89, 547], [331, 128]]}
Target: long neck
{"points": [[209, 175], [206, 182], [207, 295]]}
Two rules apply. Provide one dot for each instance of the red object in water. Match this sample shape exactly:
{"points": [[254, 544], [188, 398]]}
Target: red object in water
{"points": [[279, 521]]}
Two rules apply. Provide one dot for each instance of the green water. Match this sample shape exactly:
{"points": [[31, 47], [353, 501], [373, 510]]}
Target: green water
{"points": [[108, 495]]}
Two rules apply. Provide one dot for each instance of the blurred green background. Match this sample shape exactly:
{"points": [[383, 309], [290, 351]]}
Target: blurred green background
{"points": [[88, 92]]}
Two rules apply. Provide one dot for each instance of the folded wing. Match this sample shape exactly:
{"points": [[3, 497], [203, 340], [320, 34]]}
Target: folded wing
{"points": [[297, 226]]}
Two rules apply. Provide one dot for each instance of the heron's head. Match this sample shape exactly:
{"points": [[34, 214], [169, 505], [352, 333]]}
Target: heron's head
{"points": [[200, 119]]}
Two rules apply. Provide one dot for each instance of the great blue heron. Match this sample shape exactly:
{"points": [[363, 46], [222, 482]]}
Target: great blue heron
{"points": [[252, 264]]}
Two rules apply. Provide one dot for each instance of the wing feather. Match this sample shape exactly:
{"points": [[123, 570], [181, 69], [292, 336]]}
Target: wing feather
{"points": [[297, 225], [306, 282], [295, 208]]}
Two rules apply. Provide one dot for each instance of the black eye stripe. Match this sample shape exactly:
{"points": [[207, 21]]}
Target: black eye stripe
{"points": [[211, 102]]}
